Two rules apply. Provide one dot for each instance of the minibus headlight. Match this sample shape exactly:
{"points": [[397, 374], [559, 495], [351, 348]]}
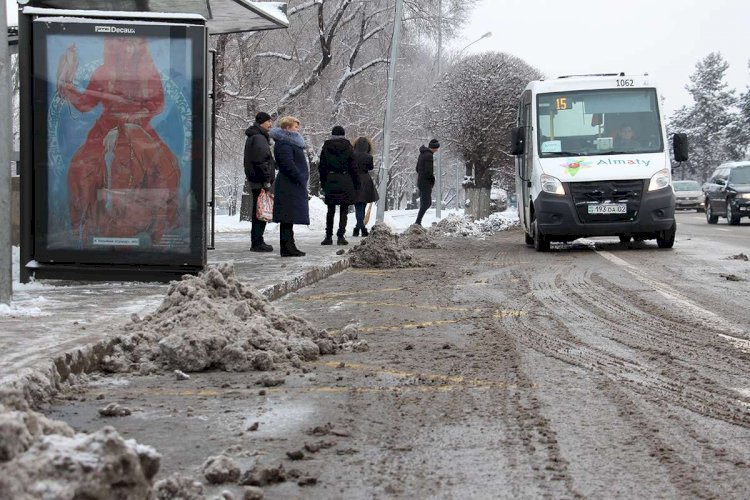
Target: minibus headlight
{"points": [[551, 184], [660, 180]]}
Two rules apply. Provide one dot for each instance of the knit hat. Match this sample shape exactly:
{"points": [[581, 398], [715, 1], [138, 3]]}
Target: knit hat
{"points": [[262, 117], [338, 130], [434, 144]]}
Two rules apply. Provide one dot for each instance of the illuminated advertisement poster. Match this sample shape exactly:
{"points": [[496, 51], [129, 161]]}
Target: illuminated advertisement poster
{"points": [[118, 114]]}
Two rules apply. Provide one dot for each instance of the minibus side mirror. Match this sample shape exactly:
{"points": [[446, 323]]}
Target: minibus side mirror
{"points": [[680, 145], [517, 143]]}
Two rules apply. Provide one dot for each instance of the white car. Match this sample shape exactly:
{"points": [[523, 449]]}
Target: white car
{"points": [[688, 195]]}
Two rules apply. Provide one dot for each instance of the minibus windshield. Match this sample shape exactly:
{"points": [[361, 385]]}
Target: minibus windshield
{"points": [[598, 122]]}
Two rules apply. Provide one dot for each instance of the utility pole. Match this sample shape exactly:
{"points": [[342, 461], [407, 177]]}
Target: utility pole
{"points": [[6, 276], [439, 176], [395, 41]]}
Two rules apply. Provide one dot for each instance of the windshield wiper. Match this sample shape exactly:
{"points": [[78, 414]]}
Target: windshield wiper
{"points": [[563, 153]]}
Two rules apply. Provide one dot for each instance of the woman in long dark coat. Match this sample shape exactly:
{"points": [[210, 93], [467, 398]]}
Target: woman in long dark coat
{"points": [[290, 204], [366, 191], [338, 180]]}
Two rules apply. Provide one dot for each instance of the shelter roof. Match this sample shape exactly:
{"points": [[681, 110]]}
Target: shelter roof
{"points": [[222, 16]]}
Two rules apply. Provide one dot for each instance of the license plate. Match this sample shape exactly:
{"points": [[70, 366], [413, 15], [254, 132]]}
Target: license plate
{"points": [[608, 208]]}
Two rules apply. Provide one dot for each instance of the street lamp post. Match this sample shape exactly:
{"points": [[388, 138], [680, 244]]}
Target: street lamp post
{"points": [[486, 35], [382, 188], [439, 203]]}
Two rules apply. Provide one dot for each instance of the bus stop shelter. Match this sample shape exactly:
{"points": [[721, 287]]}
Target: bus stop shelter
{"points": [[116, 129]]}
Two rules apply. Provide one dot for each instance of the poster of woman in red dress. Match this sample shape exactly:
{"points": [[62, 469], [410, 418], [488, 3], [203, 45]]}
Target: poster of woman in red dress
{"points": [[123, 180]]}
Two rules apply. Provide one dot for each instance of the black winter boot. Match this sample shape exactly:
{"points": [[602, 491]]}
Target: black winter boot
{"points": [[341, 241], [296, 251], [328, 240], [365, 233], [289, 250], [355, 233], [263, 247]]}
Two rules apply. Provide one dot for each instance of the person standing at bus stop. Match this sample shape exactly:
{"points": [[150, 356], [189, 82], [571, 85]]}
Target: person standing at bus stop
{"points": [[339, 182], [426, 177], [260, 171], [290, 205]]}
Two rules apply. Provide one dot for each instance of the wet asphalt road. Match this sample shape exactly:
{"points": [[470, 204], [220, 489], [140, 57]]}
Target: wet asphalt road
{"points": [[597, 370]]}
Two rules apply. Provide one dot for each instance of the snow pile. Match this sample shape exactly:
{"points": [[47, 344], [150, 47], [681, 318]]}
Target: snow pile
{"points": [[214, 321], [417, 237], [178, 486], [498, 221], [381, 249], [457, 225], [466, 226], [42, 458]]}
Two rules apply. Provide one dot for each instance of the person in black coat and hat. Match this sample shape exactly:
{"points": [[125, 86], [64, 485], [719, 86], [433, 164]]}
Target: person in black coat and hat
{"points": [[338, 179], [290, 204], [366, 191], [425, 177], [260, 171]]}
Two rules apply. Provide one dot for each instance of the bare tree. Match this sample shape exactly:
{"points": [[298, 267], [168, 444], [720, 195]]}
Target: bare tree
{"points": [[329, 68], [477, 103]]}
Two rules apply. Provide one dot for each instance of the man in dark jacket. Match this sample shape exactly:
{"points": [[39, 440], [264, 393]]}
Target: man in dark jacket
{"points": [[260, 171], [338, 179], [425, 177]]}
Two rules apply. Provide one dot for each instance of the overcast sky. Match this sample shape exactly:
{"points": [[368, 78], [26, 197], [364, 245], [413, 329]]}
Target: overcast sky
{"points": [[664, 38]]}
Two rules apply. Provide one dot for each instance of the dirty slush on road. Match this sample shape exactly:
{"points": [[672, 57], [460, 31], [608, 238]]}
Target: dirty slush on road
{"points": [[434, 367]]}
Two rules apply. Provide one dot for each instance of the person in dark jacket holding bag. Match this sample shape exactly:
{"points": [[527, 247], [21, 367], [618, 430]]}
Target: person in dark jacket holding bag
{"points": [[366, 192], [260, 171], [290, 204], [425, 177], [338, 179]]}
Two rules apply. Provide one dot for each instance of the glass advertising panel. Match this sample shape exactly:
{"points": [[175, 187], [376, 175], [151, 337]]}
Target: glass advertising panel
{"points": [[119, 141]]}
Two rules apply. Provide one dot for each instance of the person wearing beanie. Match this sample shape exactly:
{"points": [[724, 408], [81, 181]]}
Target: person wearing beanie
{"points": [[338, 180], [260, 171], [425, 177]]}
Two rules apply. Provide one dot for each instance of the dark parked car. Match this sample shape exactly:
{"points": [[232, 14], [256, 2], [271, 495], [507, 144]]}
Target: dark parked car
{"points": [[727, 193], [688, 194]]}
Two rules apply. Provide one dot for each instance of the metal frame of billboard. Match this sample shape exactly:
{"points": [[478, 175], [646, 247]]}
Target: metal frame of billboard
{"points": [[151, 228]]}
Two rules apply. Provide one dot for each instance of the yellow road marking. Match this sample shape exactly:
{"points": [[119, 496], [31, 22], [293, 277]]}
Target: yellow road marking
{"points": [[320, 389], [497, 314], [384, 272], [413, 306], [405, 326], [433, 377], [331, 295], [509, 313]]}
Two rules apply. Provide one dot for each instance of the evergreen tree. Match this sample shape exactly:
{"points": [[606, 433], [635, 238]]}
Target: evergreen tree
{"points": [[712, 122], [743, 133]]}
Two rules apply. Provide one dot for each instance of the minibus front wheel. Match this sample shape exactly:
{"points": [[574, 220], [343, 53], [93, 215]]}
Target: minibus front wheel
{"points": [[665, 239], [541, 242]]}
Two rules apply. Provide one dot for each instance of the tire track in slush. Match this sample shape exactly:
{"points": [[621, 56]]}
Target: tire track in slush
{"points": [[533, 330], [637, 328], [629, 398]]}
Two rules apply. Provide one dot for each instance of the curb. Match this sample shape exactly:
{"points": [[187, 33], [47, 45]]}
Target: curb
{"points": [[39, 385], [275, 292]]}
